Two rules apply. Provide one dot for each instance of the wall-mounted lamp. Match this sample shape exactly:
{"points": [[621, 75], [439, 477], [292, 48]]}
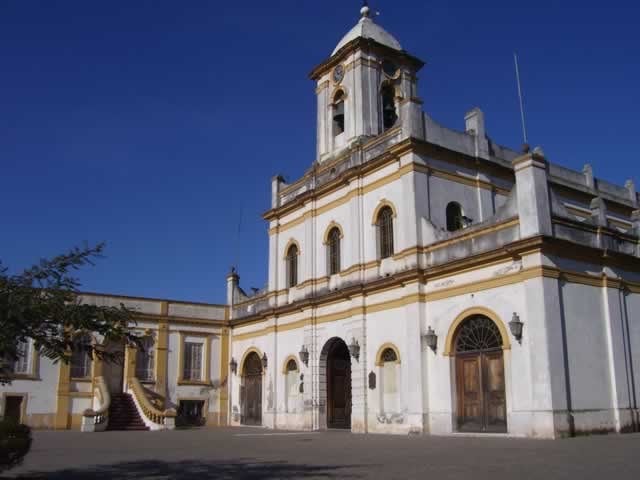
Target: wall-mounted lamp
{"points": [[515, 325], [265, 361], [233, 365], [304, 355], [354, 348], [431, 339]]}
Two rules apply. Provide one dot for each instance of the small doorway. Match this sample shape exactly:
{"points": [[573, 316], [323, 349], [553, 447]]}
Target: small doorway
{"points": [[251, 390], [113, 372], [190, 413], [479, 365], [338, 386], [13, 408]]}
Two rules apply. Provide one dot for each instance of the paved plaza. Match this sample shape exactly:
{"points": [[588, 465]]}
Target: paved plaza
{"points": [[259, 454]]}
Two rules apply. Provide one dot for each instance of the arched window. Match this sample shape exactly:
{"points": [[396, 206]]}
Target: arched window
{"points": [[390, 373], [333, 249], [454, 217], [385, 232], [389, 114], [145, 360], [291, 380], [292, 266], [81, 360], [338, 113], [478, 333]]}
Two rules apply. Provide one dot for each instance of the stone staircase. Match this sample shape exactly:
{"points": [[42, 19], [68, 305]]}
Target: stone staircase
{"points": [[123, 414]]}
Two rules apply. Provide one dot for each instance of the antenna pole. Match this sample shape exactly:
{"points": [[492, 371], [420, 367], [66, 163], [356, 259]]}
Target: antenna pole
{"points": [[524, 127]]}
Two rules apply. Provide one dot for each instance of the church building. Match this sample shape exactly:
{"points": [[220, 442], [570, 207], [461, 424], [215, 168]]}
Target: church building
{"points": [[421, 280]]}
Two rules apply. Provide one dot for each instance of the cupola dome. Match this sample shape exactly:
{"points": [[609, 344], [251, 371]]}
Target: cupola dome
{"points": [[367, 28]]}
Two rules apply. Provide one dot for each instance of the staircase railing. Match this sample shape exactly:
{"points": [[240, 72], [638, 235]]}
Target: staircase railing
{"points": [[96, 419], [153, 417]]}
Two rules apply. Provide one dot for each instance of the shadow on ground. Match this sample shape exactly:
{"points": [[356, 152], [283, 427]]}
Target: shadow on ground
{"points": [[240, 468]]}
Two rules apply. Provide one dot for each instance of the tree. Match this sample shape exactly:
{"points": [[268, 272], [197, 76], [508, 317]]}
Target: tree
{"points": [[43, 303]]}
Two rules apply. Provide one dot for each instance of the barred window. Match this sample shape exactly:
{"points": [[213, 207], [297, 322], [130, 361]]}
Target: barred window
{"points": [[389, 355], [385, 232], [292, 266], [454, 217], [192, 361], [334, 251], [81, 360], [19, 366], [145, 360]]}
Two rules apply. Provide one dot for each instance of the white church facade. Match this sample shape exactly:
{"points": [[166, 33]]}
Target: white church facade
{"points": [[421, 280]]}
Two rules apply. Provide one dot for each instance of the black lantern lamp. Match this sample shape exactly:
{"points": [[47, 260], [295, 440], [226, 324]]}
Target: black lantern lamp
{"points": [[431, 339], [265, 361], [515, 325], [304, 355], [354, 348], [233, 365]]}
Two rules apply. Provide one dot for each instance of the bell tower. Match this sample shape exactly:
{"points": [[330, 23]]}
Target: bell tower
{"points": [[363, 89]]}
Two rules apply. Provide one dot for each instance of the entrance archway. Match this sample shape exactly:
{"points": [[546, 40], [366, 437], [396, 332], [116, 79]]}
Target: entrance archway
{"points": [[479, 367], [337, 368], [251, 390]]}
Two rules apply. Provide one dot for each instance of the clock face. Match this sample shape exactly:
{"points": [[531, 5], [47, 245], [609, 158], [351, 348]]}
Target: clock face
{"points": [[389, 68], [338, 74]]}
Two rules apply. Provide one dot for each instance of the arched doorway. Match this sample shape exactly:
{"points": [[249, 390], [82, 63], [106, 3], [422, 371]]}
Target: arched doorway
{"points": [[479, 364], [338, 373], [251, 390]]}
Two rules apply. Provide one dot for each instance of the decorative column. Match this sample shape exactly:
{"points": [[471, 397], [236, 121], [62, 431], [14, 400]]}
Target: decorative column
{"points": [[162, 351], [225, 378]]}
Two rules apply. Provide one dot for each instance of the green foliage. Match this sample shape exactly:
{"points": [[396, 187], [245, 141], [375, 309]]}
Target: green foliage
{"points": [[15, 442], [43, 303]]}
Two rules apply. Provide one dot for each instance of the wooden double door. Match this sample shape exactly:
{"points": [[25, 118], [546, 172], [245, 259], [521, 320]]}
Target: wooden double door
{"points": [[339, 387], [481, 405], [251, 391]]}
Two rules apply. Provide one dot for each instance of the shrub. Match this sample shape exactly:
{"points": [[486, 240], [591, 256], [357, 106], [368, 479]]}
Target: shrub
{"points": [[15, 442]]}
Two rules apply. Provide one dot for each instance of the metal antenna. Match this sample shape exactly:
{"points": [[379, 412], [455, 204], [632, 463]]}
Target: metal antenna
{"points": [[236, 247], [524, 127]]}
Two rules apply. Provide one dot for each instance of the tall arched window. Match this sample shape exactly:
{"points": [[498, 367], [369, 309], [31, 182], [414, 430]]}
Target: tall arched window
{"points": [[390, 378], [454, 217], [145, 360], [292, 393], [389, 114], [81, 360], [333, 247], [385, 232], [338, 113], [292, 266]]}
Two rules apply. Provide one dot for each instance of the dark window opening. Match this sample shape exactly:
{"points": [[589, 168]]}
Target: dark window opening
{"points": [[292, 266], [338, 114], [190, 413], [385, 232], [455, 219], [334, 251], [389, 114]]}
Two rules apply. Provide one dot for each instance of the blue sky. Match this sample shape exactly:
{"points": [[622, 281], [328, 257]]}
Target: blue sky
{"points": [[157, 125]]}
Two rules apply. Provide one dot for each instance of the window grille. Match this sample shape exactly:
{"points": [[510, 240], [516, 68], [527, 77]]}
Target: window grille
{"points": [[334, 251], [389, 355], [145, 360], [385, 231], [21, 365], [81, 357], [292, 266], [478, 333], [192, 361]]}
